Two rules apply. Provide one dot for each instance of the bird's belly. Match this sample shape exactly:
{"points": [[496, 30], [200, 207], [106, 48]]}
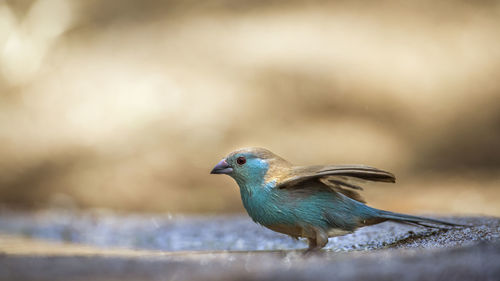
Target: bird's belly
{"points": [[296, 231], [333, 232], [291, 230]]}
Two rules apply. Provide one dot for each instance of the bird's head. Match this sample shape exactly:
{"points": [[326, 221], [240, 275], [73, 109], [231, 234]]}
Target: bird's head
{"points": [[250, 165]]}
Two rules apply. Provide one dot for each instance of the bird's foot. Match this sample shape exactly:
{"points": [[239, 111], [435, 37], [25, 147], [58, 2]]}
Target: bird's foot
{"points": [[312, 252]]}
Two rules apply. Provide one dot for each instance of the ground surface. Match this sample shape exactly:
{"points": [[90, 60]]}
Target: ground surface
{"points": [[58, 245]]}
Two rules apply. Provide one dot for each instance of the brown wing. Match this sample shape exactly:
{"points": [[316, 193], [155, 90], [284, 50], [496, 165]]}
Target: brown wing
{"points": [[343, 179]]}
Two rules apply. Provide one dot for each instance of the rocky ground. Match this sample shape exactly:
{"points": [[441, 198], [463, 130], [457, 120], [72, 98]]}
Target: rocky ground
{"points": [[57, 245]]}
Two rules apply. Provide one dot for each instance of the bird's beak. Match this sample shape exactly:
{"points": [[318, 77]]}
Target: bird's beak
{"points": [[222, 168]]}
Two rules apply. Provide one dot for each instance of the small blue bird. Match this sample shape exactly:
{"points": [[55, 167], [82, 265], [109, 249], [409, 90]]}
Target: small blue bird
{"points": [[315, 202]]}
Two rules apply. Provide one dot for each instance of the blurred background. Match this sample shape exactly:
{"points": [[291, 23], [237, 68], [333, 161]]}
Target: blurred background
{"points": [[127, 105]]}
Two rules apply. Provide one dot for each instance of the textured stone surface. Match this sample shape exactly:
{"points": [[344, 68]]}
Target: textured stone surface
{"points": [[104, 246]]}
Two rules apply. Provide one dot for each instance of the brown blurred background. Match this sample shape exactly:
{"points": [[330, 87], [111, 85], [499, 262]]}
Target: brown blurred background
{"points": [[127, 105]]}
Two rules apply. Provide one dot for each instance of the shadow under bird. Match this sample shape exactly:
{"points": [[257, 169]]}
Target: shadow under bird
{"points": [[315, 202]]}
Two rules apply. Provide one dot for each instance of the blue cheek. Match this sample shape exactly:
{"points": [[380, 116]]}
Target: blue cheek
{"points": [[253, 172], [257, 167]]}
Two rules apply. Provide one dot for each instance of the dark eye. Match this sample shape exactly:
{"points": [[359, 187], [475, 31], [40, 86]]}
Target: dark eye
{"points": [[241, 160]]}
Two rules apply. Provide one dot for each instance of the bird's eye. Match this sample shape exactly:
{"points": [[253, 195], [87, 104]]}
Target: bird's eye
{"points": [[241, 160]]}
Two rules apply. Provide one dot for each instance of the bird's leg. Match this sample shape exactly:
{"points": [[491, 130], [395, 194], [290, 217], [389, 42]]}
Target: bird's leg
{"points": [[318, 242], [321, 239], [312, 244], [312, 247]]}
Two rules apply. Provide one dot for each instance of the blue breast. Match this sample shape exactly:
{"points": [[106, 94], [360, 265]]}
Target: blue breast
{"points": [[272, 206]]}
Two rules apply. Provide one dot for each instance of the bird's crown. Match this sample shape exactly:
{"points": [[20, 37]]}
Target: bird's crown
{"points": [[276, 167]]}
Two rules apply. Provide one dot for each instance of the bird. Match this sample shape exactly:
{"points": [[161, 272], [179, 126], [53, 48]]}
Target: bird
{"points": [[313, 202]]}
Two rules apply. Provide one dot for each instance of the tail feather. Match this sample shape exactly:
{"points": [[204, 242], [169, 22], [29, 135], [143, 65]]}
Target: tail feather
{"points": [[402, 218]]}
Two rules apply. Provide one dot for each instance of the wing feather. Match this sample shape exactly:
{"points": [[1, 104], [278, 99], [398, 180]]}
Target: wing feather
{"points": [[343, 179]]}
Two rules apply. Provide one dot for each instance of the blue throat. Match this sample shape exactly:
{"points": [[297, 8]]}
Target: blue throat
{"points": [[263, 204], [258, 197], [252, 183]]}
